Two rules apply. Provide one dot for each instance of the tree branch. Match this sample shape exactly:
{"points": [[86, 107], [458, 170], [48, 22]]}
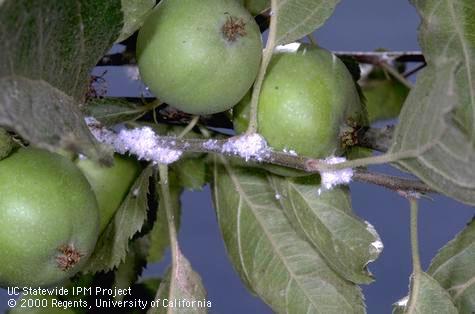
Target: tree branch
{"points": [[170, 115], [392, 182], [370, 57], [255, 151], [415, 70], [395, 73], [377, 57]]}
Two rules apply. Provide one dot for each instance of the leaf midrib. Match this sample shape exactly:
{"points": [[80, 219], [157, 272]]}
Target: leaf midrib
{"points": [[461, 288], [328, 205], [81, 41], [439, 268], [270, 239], [466, 55]]}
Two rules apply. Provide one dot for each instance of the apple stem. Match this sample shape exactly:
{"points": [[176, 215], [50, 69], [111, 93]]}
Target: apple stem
{"points": [[395, 73], [189, 127], [266, 57]]}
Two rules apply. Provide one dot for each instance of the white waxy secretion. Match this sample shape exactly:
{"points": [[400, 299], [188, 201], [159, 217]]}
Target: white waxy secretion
{"points": [[247, 146], [330, 179], [142, 142]]}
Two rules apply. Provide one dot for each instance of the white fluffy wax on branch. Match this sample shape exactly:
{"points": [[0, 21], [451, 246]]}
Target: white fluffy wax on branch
{"points": [[333, 178], [147, 145], [252, 146], [142, 142]]}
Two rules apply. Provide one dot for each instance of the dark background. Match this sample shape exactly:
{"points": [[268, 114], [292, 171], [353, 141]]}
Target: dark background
{"points": [[356, 25]]}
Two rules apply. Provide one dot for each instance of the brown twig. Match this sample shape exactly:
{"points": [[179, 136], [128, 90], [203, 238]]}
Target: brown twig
{"points": [[394, 183], [395, 73], [376, 57], [370, 57], [415, 70], [267, 155]]}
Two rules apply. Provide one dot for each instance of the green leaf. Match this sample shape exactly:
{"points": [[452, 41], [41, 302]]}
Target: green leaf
{"points": [[437, 122], [453, 267], [48, 49], [129, 271], [113, 244], [445, 154], [326, 220], [159, 236], [111, 111], [269, 255], [57, 41], [181, 283], [46, 117], [427, 296], [297, 18], [191, 172], [135, 12]]}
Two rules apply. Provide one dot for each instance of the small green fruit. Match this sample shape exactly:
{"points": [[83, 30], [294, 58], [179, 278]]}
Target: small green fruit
{"points": [[199, 56], [110, 184], [307, 95], [257, 6], [384, 98], [48, 218]]}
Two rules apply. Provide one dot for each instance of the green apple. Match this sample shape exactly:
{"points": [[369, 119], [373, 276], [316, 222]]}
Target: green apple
{"points": [[49, 220], [199, 56], [110, 184], [384, 98], [306, 97], [257, 6]]}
